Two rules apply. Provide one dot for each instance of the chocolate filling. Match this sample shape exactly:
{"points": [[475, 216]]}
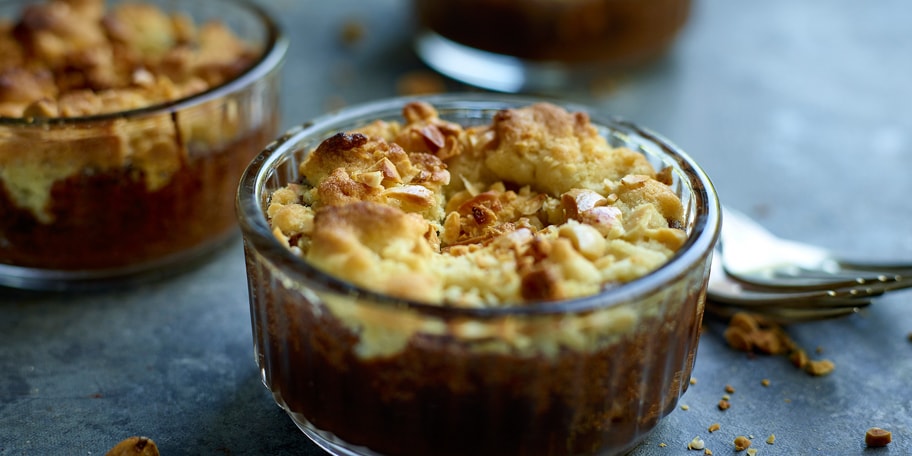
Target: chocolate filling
{"points": [[442, 396]]}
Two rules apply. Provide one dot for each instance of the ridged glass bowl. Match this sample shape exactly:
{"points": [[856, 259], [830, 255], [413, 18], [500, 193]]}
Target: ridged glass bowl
{"points": [[114, 198], [365, 374], [535, 46]]}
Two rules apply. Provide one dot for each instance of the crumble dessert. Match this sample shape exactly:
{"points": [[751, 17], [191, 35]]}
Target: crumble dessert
{"points": [[619, 31], [86, 181], [532, 208]]}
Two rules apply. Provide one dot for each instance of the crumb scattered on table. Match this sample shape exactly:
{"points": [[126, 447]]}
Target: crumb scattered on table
{"points": [[420, 82], [741, 443], [821, 367], [134, 446], [876, 437], [696, 444], [754, 334], [352, 31]]}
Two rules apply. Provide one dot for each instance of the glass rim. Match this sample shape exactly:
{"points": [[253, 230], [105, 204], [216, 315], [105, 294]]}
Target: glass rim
{"points": [[275, 48], [257, 233]]}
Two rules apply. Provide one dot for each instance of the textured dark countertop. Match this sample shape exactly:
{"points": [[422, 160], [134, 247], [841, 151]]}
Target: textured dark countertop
{"points": [[801, 112]]}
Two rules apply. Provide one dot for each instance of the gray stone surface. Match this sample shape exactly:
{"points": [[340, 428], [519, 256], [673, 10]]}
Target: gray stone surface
{"points": [[799, 111]]}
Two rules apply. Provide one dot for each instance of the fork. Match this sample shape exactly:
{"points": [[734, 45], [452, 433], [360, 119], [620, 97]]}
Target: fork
{"points": [[752, 270], [727, 296], [753, 255]]}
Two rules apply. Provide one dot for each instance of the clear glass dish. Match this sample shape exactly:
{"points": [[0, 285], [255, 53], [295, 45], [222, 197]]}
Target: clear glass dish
{"points": [[544, 45], [114, 198], [361, 373]]}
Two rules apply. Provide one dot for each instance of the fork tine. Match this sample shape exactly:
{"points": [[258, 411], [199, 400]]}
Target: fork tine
{"points": [[826, 281], [785, 315], [823, 281], [762, 300]]}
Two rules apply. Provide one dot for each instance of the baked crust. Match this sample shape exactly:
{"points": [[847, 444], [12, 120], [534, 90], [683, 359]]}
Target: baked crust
{"points": [[71, 58], [535, 206]]}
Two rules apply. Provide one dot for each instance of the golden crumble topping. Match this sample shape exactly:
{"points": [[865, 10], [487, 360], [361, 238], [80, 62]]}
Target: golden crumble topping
{"points": [[534, 206], [68, 58]]}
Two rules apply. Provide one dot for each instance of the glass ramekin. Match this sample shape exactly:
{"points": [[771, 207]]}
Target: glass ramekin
{"points": [[544, 45], [116, 198], [365, 374]]}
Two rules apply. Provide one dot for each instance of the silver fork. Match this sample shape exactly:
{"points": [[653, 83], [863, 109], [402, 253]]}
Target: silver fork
{"points": [[753, 255], [727, 296], [787, 281]]}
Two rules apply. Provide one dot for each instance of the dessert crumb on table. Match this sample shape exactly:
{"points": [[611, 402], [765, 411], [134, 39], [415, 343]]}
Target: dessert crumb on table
{"points": [[134, 446], [876, 437], [754, 334]]}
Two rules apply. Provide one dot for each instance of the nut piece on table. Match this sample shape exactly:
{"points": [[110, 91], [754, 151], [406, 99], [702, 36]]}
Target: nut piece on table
{"points": [[741, 443], [877, 437], [134, 446]]}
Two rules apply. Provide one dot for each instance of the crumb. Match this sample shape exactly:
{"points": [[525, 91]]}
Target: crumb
{"points": [[707, 452], [685, 407], [799, 358], [724, 405], [693, 381], [134, 446], [821, 367], [663, 445], [604, 86], [751, 452], [768, 341], [771, 439], [909, 336], [729, 389], [696, 444], [334, 103], [352, 32], [714, 427], [765, 382], [877, 437], [741, 443], [420, 83], [726, 397], [819, 350], [753, 334], [738, 340]]}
